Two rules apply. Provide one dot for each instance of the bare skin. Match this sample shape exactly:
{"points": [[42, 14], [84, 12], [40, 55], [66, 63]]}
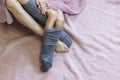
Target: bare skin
{"points": [[24, 18], [58, 20]]}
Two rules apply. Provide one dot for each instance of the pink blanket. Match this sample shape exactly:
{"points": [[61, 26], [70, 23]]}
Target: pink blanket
{"points": [[94, 55], [68, 6], [5, 16]]}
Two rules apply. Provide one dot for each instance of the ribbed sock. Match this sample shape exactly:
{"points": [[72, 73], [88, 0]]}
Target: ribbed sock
{"points": [[51, 37], [65, 38], [33, 10]]}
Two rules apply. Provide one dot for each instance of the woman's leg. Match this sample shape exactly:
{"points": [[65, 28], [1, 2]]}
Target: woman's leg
{"points": [[58, 24], [34, 11], [56, 20], [51, 37], [24, 18], [58, 17], [51, 19], [52, 33]]}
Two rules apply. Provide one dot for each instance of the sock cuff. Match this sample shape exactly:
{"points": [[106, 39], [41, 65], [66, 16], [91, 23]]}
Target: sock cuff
{"points": [[51, 36], [52, 30]]}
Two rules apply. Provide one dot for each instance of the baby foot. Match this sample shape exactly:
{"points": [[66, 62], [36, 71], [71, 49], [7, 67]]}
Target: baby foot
{"points": [[61, 47]]}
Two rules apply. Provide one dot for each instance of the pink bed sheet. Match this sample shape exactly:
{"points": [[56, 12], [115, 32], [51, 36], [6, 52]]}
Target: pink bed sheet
{"points": [[94, 55], [68, 6]]}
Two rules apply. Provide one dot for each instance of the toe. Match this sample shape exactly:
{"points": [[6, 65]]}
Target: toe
{"points": [[58, 50], [66, 49], [61, 47]]}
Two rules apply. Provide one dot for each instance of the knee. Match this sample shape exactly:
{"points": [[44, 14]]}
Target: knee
{"points": [[14, 6], [60, 17], [60, 20], [10, 4], [51, 14]]}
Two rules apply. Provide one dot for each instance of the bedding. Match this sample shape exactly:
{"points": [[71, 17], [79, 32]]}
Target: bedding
{"points": [[68, 6], [5, 16], [94, 54]]}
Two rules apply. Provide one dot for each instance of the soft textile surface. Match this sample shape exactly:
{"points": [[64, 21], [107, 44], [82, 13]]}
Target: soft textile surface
{"points": [[5, 16], [68, 6], [94, 55]]}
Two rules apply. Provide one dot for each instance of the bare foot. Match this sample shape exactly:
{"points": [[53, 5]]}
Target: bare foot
{"points": [[61, 47]]}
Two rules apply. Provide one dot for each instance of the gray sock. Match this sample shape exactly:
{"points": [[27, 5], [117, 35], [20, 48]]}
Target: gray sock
{"points": [[33, 10], [65, 38], [51, 37]]}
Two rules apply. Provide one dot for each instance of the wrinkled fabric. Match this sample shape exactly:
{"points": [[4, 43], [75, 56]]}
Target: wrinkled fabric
{"points": [[5, 16], [94, 54], [68, 6]]}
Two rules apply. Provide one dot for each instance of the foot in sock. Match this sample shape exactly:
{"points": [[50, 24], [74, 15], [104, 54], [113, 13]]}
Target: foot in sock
{"points": [[51, 37], [47, 57], [66, 39], [65, 42], [45, 66]]}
